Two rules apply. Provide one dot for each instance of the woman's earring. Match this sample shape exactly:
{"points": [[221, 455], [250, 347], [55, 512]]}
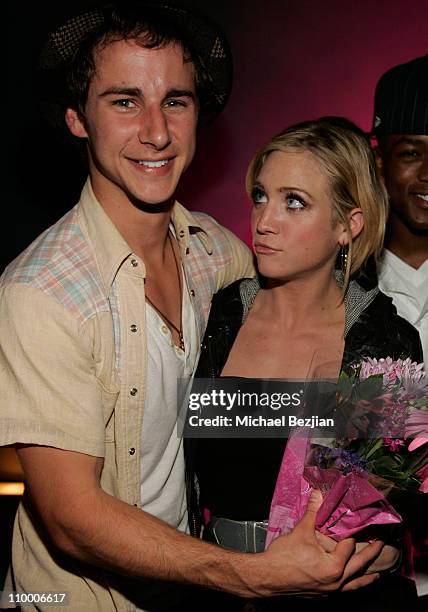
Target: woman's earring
{"points": [[343, 258]]}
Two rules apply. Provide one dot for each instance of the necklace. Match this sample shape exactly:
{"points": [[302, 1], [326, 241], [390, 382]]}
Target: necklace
{"points": [[160, 313]]}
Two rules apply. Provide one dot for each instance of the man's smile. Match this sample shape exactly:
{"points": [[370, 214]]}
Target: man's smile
{"points": [[422, 196], [153, 164]]}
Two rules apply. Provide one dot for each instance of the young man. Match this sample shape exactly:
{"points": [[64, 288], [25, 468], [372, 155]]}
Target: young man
{"points": [[401, 126], [104, 312]]}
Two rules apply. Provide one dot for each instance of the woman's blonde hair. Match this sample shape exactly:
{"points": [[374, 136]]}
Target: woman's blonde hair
{"points": [[344, 153]]}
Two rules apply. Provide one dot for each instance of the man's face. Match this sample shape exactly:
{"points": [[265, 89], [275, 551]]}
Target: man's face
{"points": [[403, 160], [139, 120]]}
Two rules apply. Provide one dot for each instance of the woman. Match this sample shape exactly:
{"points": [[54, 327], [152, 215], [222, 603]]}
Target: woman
{"points": [[316, 201]]}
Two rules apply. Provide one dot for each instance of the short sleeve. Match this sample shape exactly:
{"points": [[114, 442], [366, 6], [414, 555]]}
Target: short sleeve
{"points": [[241, 265], [49, 393]]}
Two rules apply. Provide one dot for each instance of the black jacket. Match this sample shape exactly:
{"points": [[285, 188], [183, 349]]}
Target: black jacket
{"points": [[372, 329]]}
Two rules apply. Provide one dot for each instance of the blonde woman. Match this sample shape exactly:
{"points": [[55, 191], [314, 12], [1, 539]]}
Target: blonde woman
{"points": [[318, 214]]}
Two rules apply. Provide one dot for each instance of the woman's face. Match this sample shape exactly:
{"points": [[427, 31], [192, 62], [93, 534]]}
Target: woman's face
{"points": [[291, 220]]}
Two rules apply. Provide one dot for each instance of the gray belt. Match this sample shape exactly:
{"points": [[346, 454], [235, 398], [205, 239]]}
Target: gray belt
{"points": [[243, 536]]}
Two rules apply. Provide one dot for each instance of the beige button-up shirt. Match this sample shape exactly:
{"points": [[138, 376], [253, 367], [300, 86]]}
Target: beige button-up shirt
{"points": [[73, 365]]}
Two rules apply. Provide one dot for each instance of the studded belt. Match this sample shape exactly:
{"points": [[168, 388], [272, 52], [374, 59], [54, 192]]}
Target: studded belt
{"points": [[242, 536]]}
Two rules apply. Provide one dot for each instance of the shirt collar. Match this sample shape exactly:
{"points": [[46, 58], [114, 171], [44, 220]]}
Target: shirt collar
{"points": [[391, 264], [185, 225], [111, 249]]}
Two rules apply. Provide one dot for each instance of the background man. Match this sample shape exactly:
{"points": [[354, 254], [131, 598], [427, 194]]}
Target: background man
{"points": [[401, 126]]}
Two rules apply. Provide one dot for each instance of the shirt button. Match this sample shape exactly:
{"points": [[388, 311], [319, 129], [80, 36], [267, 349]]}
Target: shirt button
{"points": [[192, 292], [132, 451], [134, 263], [181, 233], [134, 328], [133, 391], [164, 329]]}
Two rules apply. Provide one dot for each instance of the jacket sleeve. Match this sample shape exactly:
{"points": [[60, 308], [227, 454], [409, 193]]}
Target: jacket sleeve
{"points": [[223, 325], [381, 332]]}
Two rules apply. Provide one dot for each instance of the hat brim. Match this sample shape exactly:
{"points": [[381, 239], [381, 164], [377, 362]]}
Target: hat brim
{"points": [[203, 37]]}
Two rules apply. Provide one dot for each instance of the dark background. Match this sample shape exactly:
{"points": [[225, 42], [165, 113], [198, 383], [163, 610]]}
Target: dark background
{"points": [[294, 60]]}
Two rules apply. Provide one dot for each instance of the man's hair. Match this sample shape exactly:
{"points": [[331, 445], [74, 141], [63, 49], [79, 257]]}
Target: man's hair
{"points": [[150, 31], [345, 155], [68, 60]]}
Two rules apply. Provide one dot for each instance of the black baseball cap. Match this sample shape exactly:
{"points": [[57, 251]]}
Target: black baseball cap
{"points": [[401, 99]]}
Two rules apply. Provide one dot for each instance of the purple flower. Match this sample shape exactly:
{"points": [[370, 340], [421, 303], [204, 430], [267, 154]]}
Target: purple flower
{"points": [[348, 461], [393, 444], [392, 370]]}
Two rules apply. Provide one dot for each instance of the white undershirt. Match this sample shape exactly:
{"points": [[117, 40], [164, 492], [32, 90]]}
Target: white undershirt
{"points": [[409, 291], [163, 491]]}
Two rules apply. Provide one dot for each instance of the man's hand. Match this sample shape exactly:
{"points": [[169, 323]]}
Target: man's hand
{"points": [[300, 559], [388, 557], [86, 523]]}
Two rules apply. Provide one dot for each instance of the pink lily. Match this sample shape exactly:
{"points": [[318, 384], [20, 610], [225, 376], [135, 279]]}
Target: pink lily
{"points": [[417, 428], [423, 475]]}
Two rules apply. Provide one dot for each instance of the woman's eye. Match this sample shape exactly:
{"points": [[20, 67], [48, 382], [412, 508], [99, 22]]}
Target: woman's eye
{"points": [[294, 202], [258, 196]]}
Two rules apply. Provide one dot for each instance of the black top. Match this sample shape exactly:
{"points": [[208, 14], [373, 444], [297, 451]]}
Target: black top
{"points": [[237, 476]]}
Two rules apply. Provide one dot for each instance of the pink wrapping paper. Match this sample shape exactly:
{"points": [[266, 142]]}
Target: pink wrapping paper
{"points": [[350, 501], [291, 492]]}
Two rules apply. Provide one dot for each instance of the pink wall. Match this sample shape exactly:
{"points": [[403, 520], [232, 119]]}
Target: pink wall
{"points": [[296, 60]]}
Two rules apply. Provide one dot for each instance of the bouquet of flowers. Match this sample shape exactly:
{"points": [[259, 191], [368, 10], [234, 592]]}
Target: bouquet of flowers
{"points": [[382, 458]]}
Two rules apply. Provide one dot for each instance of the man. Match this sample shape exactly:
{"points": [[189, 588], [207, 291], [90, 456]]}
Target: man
{"points": [[104, 312], [401, 127]]}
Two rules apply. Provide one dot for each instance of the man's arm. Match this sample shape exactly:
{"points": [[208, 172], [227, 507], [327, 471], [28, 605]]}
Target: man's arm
{"points": [[85, 522]]}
